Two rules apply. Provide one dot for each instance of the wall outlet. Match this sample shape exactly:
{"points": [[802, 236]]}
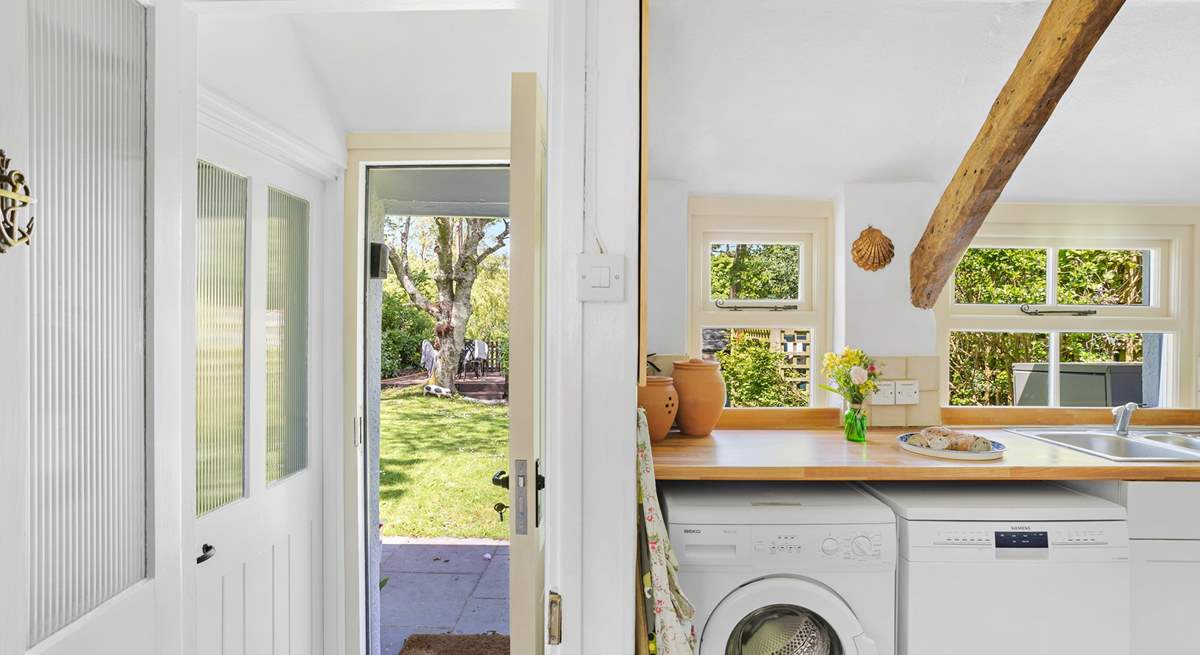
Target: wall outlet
{"points": [[885, 394], [601, 278], [908, 392]]}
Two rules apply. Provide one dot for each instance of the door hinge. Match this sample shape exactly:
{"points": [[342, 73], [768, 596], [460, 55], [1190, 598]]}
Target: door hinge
{"points": [[554, 619], [360, 429]]}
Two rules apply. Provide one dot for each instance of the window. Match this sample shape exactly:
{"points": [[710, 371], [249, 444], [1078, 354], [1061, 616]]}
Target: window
{"points": [[758, 295], [1069, 315]]}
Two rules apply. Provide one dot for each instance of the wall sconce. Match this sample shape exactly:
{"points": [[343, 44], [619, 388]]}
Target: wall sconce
{"points": [[14, 196]]}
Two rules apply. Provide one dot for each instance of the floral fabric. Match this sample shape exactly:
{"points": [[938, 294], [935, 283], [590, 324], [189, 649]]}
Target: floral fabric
{"points": [[674, 633]]}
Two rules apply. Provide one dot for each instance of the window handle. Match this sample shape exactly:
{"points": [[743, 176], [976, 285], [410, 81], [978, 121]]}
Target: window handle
{"points": [[1029, 310], [206, 553]]}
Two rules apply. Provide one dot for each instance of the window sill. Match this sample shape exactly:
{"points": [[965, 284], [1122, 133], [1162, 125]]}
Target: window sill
{"points": [[1063, 416]]}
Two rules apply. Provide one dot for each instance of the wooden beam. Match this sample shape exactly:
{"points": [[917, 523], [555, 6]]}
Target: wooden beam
{"points": [[1068, 32]]}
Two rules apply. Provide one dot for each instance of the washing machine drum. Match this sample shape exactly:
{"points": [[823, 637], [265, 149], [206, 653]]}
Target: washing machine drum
{"points": [[784, 616]]}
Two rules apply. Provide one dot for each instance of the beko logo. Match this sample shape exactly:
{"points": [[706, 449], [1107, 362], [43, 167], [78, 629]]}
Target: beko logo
{"points": [[692, 531]]}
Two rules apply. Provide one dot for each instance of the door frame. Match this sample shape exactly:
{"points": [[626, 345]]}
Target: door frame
{"points": [[347, 519]]}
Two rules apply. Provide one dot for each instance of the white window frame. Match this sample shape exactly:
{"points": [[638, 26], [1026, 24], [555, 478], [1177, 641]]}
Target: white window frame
{"points": [[763, 220], [1168, 233]]}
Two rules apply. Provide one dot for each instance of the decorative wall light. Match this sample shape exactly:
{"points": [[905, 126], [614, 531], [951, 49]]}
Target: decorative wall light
{"points": [[872, 250], [14, 196]]}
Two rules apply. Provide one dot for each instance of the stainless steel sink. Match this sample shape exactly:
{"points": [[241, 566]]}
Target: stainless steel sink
{"points": [[1180, 440], [1150, 447]]}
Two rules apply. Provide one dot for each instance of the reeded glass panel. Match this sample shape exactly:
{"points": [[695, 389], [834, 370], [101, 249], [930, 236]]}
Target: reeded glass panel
{"points": [[1102, 277], [754, 271], [87, 441], [221, 206], [762, 366], [1001, 276], [999, 368], [287, 335]]}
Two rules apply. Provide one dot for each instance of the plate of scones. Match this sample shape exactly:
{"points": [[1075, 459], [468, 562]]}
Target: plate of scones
{"points": [[948, 443]]}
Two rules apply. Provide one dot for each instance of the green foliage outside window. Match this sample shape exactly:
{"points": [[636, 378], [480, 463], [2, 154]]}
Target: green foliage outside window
{"points": [[754, 375], [755, 271], [1001, 276], [981, 362]]}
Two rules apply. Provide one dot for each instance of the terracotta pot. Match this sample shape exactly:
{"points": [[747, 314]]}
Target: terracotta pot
{"points": [[661, 401], [701, 396]]}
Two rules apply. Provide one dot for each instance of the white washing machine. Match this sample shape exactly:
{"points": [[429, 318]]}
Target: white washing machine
{"points": [[1011, 567], [785, 568]]}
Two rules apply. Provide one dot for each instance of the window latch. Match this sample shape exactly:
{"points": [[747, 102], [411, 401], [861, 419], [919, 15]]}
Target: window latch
{"points": [[1029, 310]]}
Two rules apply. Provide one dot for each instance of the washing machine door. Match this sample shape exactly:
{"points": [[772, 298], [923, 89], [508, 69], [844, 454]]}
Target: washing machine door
{"points": [[784, 616]]}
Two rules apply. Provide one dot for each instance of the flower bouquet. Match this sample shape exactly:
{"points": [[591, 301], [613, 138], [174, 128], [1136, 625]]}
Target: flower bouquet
{"points": [[853, 376]]}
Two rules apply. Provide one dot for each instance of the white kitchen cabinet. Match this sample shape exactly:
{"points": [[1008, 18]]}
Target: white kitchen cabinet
{"points": [[1166, 594]]}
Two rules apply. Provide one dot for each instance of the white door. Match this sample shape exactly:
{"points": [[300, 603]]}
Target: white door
{"points": [[527, 209], [77, 565], [257, 456]]}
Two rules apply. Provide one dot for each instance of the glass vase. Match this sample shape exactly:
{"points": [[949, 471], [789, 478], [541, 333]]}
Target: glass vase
{"points": [[855, 423]]}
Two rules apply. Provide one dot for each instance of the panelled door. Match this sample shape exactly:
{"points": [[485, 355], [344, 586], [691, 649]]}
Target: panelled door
{"points": [[76, 328], [527, 209], [257, 457]]}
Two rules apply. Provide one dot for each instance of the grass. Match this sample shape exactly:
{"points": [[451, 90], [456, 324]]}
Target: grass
{"points": [[436, 460]]}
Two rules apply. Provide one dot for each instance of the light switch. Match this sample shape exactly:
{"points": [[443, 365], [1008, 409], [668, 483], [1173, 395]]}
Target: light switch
{"points": [[601, 278], [908, 392], [885, 394]]}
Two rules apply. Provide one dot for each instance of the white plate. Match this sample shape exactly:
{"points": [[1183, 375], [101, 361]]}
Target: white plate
{"points": [[996, 452]]}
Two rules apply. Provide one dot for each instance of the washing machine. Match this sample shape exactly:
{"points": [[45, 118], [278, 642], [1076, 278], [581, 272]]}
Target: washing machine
{"points": [[785, 568]]}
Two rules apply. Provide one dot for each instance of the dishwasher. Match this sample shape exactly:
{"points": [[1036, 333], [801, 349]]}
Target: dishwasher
{"points": [[1015, 567]]}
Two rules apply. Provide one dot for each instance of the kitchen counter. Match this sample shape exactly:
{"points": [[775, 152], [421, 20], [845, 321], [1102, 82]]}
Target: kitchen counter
{"points": [[824, 454]]}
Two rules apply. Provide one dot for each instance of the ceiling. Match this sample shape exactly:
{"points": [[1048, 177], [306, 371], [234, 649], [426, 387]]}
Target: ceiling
{"points": [[423, 70], [768, 97], [441, 190]]}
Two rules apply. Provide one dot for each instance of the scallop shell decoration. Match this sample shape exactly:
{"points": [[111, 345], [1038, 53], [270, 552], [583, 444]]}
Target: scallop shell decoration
{"points": [[872, 250]]}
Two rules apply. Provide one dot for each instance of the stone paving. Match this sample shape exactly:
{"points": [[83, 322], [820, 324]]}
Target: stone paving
{"points": [[459, 588]]}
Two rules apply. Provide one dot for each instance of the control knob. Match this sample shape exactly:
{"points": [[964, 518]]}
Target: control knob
{"points": [[829, 546], [860, 546]]}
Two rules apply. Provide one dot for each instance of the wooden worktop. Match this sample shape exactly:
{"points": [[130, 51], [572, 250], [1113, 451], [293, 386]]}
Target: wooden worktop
{"points": [[824, 454]]}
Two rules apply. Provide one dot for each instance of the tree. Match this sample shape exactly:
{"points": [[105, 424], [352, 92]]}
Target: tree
{"points": [[460, 246], [754, 375]]}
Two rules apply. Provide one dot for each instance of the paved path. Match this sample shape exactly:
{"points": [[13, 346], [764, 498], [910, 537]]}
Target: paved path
{"points": [[438, 588]]}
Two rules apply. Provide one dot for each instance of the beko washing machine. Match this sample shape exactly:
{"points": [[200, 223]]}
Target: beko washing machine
{"points": [[785, 568]]}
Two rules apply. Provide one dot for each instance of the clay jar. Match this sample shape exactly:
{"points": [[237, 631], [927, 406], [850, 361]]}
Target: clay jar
{"points": [[701, 395], [661, 401]]}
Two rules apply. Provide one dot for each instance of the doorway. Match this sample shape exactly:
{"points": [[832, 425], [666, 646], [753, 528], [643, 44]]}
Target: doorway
{"points": [[437, 400]]}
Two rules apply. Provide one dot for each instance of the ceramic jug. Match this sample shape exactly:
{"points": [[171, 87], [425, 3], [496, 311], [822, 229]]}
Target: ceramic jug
{"points": [[701, 395]]}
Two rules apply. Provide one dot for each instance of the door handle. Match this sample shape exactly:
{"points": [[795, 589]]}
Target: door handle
{"points": [[206, 553], [500, 479]]}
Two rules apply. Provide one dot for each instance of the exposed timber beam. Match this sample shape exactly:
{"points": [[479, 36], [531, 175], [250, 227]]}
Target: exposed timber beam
{"points": [[1068, 32]]}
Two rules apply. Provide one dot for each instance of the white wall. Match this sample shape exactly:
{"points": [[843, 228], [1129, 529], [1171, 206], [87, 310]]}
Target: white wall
{"points": [[424, 71], [667, 296], [872, 310], [259, 63]]}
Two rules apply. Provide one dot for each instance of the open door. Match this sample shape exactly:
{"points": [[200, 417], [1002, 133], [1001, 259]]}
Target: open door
{"points": [[527, 209]]}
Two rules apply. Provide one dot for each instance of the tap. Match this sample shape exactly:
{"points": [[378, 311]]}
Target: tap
{"points": [[1122, 414]]}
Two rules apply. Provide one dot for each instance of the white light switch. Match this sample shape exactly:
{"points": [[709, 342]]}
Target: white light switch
{"points": [[885, 394], [601, 278], [908, 392]]}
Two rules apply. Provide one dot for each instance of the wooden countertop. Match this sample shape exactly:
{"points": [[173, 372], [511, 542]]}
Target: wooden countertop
{"points": [[824, 454]]}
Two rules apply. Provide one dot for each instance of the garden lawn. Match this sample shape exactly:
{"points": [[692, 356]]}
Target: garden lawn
{"points": [[436, 460]]}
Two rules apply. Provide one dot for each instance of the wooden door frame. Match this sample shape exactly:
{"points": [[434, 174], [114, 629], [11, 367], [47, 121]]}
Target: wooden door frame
{"points": [[346, 519]]}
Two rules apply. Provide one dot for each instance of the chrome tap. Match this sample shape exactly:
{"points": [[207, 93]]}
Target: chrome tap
{"points": [[1122, 414]]}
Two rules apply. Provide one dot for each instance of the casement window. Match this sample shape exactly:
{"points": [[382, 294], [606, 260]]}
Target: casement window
{"points": [[758, 295], [1070, 314]]}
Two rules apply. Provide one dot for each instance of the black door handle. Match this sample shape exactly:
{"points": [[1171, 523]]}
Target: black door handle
{"points": [[500, 479], [206, 553]]}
